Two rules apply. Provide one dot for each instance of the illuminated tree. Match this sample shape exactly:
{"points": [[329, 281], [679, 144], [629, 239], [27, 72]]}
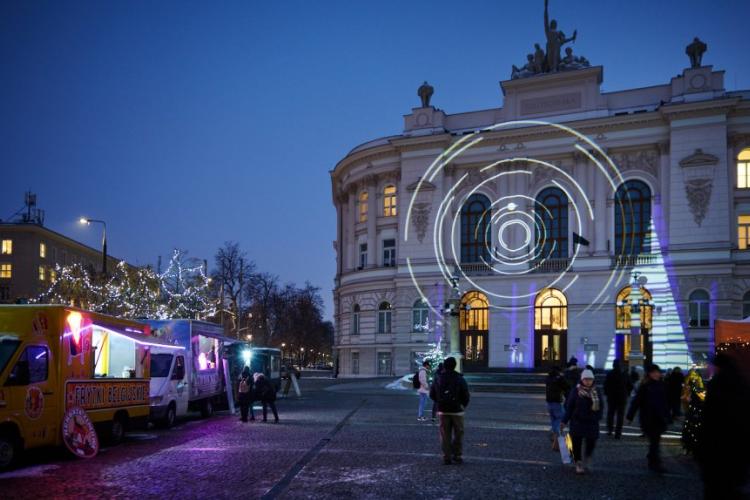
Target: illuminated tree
{"points": [[185, 289]]}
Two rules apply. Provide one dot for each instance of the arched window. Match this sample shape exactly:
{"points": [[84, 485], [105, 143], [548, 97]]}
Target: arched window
{"points": [[355, 319], [743, 169], [552, 217], [550, 310], [389, 201], [698, 308], [420, 313], [623, 309], [474, 313], [746, 305], [363, 206], [475, 225], [384, 318], [632, 218]]}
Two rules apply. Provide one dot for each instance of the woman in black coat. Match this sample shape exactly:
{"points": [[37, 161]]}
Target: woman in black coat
{"points": [[266, 392], [651, 401], [245, 394], [583, 411]]}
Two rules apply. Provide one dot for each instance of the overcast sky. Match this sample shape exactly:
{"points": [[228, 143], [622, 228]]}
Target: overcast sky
{"points": [[186, 124]]}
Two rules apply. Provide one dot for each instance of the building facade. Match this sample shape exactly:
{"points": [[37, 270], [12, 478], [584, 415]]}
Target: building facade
{"points": [[30, 252], [557, 214]]}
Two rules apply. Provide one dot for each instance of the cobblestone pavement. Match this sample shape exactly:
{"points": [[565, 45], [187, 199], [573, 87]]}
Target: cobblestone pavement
{"points": [[354, 440]]}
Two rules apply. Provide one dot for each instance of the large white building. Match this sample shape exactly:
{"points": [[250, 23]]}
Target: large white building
{"points": [[546, 207]]}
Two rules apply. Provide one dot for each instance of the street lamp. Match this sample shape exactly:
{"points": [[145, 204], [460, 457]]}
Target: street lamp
{"points": [[87, 221], [636, 293], [452, 311]]}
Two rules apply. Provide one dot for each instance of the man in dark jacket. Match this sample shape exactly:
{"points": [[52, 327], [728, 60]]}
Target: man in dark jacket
{"points": [[674, 392], [556, 388], [572, 373], [616, 389], [651, 402], [451, 393]]}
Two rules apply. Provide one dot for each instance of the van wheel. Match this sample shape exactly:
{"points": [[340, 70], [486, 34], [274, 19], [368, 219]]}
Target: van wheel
{"points": [[9, 450], [117, 430], [170, 417], [207, 408]]}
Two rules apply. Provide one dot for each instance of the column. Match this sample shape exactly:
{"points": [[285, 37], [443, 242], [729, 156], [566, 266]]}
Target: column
{"points": [[371, 182], [449, 177], [601, 215], [662, 227], [351, 221]]}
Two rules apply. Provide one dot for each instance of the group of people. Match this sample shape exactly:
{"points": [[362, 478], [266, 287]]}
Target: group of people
{"points": [[714, 431], [256, 387], [450, 395]]}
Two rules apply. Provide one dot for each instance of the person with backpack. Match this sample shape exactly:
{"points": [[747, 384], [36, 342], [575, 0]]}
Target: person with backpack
{"points": [[583, 410], [451, 393], [244, 394], [423, 388], [266, 392], [651, 403], [556, 387]]}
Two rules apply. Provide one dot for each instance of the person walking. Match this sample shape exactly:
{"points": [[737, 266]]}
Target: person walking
{"points": [[556, 387], [439, 370], [572, 373], [244, 394], [616, 389], [424, 389], [266, 392], [583, 411], [724, 437], [451, 392], [651, 403], [674, 392]]}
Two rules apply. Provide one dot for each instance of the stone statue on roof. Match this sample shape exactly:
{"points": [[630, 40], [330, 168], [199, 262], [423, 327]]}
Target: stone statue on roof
{"points": [[425, 92], [695, 52], [555, 40]]}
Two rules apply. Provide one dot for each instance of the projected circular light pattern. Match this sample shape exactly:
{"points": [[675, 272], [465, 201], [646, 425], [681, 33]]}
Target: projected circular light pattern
{"points": [[512, 213]]}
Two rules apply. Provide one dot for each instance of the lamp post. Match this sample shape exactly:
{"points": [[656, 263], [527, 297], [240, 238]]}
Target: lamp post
{"points": [[636, 355], [87, 221], [451, 310]]}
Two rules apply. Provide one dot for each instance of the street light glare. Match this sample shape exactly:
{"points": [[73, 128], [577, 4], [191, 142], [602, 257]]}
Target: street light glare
{"points": [[83, 220]]}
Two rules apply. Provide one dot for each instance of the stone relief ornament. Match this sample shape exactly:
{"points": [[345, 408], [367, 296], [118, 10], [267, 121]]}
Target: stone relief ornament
{"points": [[646, 161], [420, 218], [698, 193]]}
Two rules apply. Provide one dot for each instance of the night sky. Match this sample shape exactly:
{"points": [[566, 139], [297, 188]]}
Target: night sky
{"points": [[186, 124]]}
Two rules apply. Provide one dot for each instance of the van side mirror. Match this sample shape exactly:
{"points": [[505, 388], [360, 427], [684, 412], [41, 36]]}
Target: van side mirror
{"points": [[20, 374], [179, 372]]}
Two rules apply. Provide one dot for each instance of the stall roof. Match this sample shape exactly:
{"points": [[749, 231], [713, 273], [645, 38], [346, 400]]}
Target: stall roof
{"points": [[140, 339]]}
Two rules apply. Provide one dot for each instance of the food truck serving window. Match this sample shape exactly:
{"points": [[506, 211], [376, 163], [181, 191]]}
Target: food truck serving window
{"points": [[31, 366], [115, 355], [204, 353], [7, 347]]}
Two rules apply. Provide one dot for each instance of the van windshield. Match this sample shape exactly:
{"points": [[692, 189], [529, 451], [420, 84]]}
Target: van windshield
{"points": [[160, 365], [7, 347]]}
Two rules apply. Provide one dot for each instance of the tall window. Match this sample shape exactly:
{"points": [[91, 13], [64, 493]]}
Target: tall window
{"points": [[384, 363], [43, 250], [389, 201], [52, 275], [389, 253], [632, 218], [698, 308], [362, 255], [42, 273], [746, 305], [7, 247], [6, 271], [363, 206], [474, 312], [550, 310], [420, 316], [552, 213], [384, 318], [355, 363], [623, 309], [743, 169], [743, 231], [475, 228], [355, 319]]}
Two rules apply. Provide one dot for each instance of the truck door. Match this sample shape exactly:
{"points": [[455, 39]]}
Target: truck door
{"points": [[179, 384], [32, 387]]}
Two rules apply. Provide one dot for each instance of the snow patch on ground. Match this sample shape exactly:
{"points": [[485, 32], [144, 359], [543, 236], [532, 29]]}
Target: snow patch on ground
{"points": [[402, 384]]}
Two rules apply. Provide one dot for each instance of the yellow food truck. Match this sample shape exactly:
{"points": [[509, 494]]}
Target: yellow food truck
{"points": [[68, 376]]}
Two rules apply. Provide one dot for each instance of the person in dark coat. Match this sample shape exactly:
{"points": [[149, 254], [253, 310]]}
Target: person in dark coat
{"points": [[266, 392], [245, 394], [651, 403], [572, 373], [583, 411], [451, 393], [556, 387], [724, 438], [617, 388], [439, 370], [674, 392]]}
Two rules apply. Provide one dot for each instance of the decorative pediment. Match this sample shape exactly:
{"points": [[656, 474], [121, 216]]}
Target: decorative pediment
{"points": [[426, 186], [699, 159]]}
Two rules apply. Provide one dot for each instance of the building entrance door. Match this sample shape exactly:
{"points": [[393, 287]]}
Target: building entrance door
{"points": [[550, 348], [474, 329], [474, 350]]}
